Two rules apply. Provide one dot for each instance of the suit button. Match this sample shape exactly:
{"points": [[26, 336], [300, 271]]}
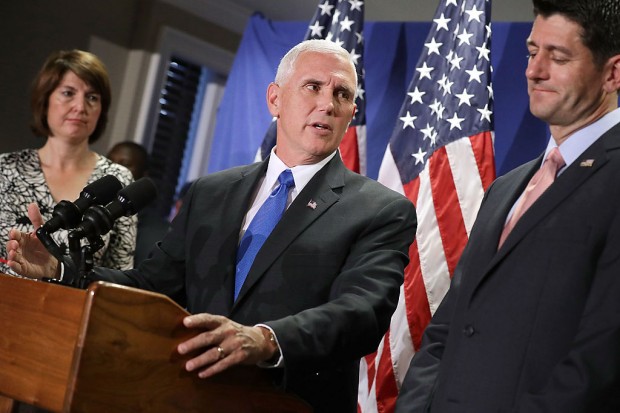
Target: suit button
{"points": [[469, 331]]}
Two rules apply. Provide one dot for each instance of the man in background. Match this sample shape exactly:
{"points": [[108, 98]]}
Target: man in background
{"points": [[152, 226], [531, 322]]}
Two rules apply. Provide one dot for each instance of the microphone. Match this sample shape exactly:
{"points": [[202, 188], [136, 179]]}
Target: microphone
{"points": [[67, 215], [98, 220]]}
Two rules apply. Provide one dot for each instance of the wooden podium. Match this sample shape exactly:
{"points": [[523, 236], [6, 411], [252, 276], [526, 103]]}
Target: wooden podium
{"points": [[113, 349]]}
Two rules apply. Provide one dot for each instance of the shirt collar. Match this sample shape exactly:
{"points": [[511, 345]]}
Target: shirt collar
{"points": [[578, 142], [302, 174]]}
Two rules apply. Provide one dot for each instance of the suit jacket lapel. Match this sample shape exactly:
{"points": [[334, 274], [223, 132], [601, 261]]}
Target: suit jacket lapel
{"points": [[584, 167], [240, 194], [490, 221], [319, 193], [506, 196]]}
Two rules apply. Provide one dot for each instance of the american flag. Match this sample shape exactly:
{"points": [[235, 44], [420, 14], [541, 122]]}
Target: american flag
{"points": [[342, 22], [441, 157]]}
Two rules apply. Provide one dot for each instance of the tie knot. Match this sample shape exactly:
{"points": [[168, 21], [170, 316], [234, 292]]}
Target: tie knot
{"points": [[555, 157], [286, 178]]}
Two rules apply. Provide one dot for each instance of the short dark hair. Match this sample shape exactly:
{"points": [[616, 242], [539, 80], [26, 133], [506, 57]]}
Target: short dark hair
{"points": [[599, 21], [87, 67], [138, 153]]}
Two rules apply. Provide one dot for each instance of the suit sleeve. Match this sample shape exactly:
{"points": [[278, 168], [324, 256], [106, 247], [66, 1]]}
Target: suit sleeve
{"points": [[164, 272], [587, 380]]}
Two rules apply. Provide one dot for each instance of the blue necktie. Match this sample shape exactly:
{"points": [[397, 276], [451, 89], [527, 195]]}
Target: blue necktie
{"points": [[261, 226]]}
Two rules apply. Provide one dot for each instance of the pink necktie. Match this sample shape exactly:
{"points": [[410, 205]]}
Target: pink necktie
{"points": [[541, 180]]}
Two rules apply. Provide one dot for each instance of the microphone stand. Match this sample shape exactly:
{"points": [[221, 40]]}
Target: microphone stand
{"points": [[97, 220], [70, 266], [78, 263], [83, 255]]}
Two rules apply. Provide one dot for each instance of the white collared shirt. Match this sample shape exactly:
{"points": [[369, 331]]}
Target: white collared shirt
{"points": [[302, 174], [578, 142]]}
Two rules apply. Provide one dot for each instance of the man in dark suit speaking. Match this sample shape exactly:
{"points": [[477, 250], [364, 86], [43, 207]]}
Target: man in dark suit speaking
{"points": [[531, 322], [319, 293]]}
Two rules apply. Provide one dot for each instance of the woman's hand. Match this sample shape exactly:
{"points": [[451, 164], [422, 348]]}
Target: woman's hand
{"points": [[26, 255]]}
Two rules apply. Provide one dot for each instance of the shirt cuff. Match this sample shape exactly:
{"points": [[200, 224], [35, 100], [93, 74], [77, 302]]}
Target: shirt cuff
{"points": [[280, 361], [62, 271]]}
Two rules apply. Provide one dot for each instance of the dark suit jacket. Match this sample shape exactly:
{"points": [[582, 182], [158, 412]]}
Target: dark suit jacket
{"points": [[326, 280], [151, 228], [535, 326]]}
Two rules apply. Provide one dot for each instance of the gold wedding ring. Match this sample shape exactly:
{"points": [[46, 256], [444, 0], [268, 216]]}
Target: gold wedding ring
{"points": [[221, 352]]}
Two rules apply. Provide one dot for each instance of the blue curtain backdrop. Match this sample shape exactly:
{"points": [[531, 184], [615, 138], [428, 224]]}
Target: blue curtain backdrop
{"points": [[391, 53]]}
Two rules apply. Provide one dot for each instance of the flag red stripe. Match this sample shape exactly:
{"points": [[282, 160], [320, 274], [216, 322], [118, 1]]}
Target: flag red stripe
{"points": [[412, 189], [447, 207], [387, 389], [416, 298], [414, 283], [482, 144], [349, 150], [370, 362]]}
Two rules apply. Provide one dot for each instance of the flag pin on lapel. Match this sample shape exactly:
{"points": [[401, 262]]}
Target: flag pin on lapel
{"points": [[311, 204], [586, 163]]}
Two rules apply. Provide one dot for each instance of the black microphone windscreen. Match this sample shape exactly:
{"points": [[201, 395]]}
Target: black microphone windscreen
{"points": [[68, 215], [137, 195], [100, 192], [98, 220]]}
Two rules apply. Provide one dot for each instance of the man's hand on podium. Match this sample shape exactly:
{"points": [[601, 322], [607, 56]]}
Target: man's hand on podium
{"points": [[225, 343]]}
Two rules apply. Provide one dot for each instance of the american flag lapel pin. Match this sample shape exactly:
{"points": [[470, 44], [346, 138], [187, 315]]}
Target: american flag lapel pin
{"points": [[311, 204], [586, 163]]}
